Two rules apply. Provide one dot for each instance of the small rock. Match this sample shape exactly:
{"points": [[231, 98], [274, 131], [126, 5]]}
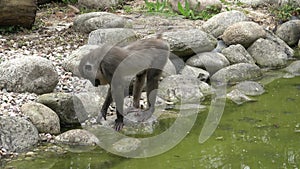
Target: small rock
{"points": [[237, 54], [238, 97], [294, 68], [112, 36], [98, 20], [103, 4], [250, 88], [77, 137], [45, 119], [126, 145]]}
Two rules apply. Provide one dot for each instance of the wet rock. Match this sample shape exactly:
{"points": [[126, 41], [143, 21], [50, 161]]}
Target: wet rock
{"points": [[237, 54], [289, 32], [126, 145], [184, 43], [28, 74], [244, 33], [17, 134], [236, 73], [294, 68], [43, 118], [238, 97], [250, 88], [98, 20], [72, 62], [194, 4], [182, 88], [195, 72], [268, 54], [209, 61], [220, 22], [77, 137], [62, 104], [112, 36]]}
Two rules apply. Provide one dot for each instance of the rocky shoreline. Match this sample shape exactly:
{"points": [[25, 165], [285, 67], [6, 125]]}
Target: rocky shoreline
{"points": [[240, 46]]}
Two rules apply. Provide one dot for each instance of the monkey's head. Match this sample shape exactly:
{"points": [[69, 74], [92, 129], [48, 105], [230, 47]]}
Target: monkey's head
{"points": [[90, 69]]}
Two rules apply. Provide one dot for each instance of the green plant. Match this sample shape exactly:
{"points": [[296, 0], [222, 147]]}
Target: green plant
{"points": [[186, 11], [205, 14], [158, 6], [9, 29], [286, 11]]}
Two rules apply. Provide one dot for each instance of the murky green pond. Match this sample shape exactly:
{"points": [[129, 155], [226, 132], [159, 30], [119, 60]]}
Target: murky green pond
{"points": [[262, 134]]}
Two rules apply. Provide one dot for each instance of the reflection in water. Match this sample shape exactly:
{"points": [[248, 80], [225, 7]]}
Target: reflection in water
{"points": [[263, 134]]}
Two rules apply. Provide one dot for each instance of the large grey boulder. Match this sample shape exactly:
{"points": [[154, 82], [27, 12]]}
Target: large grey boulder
{"points": [[184, 43], [186, 89], [289, 32], [95, 20], [62, 104], [112, 36], [28, 74], [244, 33], [283, 46], [43, 118], [236, 73], [72, 61], [237, 54], [220, 22], [210, 61], [195, 72], [269, 54], [17, 134]]}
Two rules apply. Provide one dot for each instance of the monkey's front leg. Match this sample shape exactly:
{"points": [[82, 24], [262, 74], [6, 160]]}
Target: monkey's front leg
{"points": [[107, 102]]}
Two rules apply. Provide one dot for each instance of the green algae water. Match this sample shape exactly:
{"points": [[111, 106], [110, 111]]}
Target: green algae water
{"points": [[256, 135]]}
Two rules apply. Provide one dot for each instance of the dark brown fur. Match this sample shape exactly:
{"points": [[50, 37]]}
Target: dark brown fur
{"points": [[143, 59]]}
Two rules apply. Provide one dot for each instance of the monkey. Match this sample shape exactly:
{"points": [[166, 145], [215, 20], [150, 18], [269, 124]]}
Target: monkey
{"points": [[116, 66]]}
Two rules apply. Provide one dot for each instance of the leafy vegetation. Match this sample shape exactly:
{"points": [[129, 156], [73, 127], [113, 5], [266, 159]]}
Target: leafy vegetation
{"points": [[163, 6], [189, 13], [9, 29], [286, 11], [158, 6]]}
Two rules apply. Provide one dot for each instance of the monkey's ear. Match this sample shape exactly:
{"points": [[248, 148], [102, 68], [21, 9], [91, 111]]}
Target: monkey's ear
{"points": [[88, 67]]}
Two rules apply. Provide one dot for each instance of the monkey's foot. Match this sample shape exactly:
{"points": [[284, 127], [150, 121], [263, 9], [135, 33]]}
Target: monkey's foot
{"points": [[118, 124]]}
